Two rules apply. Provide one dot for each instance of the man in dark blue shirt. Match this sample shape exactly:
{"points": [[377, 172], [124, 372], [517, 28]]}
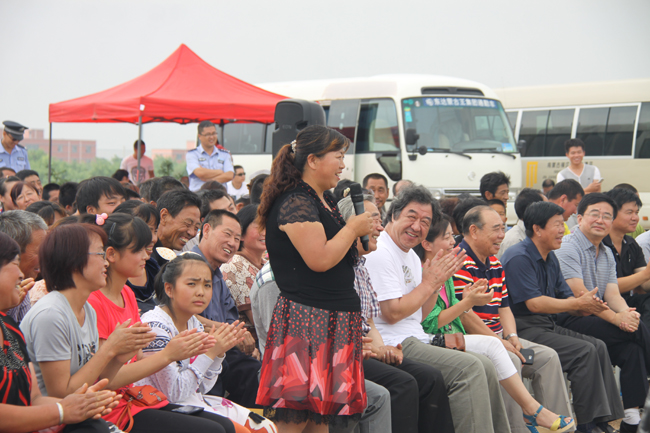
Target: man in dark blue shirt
{"points": [[538, 293]]}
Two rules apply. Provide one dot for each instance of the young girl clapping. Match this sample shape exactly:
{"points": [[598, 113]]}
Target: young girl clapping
{"points": [[184, 289]]}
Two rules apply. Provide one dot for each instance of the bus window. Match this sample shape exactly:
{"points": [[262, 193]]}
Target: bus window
{"points": [[244, 138], [592, 124], [533, 130], [558, 131], [377, 130], [512, 119], [620, 130], [643, 132], [458, 124], [268, 148], [342, 116]]}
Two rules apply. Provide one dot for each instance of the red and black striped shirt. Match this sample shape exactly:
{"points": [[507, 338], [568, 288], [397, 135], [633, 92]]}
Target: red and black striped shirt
{"points": [[15, 376], [473, 269]]}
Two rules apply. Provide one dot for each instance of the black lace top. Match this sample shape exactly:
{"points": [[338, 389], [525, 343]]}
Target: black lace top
{"points": [[329, 290], [15, 377]]}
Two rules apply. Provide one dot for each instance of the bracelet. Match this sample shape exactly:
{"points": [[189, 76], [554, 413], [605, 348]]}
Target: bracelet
{"points": [[467, 311], [60, 412], [514, 334]]}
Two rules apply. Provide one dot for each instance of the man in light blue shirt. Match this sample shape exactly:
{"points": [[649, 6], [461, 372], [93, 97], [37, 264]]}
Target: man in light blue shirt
{"points": [[208, 162], [13, 154], [587, 264]]}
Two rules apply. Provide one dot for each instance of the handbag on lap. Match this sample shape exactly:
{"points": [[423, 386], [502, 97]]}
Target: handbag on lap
{"points": [[455, 341]]}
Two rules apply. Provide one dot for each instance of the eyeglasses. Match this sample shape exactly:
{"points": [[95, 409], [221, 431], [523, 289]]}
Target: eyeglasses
{"points": [[212, 134], [241, 174], [597, 215], [102, 254]]}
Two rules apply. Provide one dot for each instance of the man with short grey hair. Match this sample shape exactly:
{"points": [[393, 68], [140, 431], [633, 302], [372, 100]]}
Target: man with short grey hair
{"points": [[404, 285], [28, 230]]}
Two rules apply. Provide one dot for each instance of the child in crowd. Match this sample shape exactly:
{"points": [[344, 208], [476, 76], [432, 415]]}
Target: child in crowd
{"points": [[142, 285], [184, 289], [63, 339], [128, 237]]}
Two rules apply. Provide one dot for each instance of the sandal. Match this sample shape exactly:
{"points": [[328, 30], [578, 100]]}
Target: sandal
{"points": [[559, 425]]}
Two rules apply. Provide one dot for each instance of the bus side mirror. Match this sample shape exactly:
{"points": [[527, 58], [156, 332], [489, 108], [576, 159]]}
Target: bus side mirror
{"points": [[411, 136], [521, 147]]}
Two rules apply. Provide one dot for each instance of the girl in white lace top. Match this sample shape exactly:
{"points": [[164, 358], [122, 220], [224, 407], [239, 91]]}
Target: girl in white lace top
{"points": [[184, 289]]}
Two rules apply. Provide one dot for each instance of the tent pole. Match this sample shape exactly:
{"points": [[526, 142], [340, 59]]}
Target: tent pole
{"points": [[49, 163], [137, 181], [221, 125]]}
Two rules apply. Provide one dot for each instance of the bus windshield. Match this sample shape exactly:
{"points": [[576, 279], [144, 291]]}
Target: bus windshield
{"points": [[458, 124]]}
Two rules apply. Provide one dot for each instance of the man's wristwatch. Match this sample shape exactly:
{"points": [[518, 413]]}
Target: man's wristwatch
{"points": [[507, 337]]}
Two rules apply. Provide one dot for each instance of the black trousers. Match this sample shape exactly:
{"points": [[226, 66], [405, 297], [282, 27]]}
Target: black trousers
{"points": [[165, 421], [628, 350], [642, 305], [587, 364], [88, 426], [418, 395], [240, 377]]}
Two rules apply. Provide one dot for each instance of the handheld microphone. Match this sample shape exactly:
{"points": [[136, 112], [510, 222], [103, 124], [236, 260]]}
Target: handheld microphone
{"points": [[356, 194]]}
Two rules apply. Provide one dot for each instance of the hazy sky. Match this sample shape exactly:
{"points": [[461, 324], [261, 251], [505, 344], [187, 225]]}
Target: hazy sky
{"points": [[58, 50]]}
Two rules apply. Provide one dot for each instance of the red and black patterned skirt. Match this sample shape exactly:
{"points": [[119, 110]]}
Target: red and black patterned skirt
{"points": [[312, 368]]}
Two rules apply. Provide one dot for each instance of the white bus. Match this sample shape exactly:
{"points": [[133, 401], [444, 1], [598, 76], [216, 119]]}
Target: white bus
{"points": [[444, 133], [612, 118]]}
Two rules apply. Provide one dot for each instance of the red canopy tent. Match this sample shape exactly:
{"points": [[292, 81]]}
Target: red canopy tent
{"points": [[182, 89]]}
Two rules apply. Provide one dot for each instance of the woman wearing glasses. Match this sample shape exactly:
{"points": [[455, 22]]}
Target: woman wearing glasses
{"points": [[61, 330]]}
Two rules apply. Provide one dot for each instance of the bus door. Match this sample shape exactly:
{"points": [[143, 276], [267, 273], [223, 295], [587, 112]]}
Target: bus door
{"points": [[343, 115]]}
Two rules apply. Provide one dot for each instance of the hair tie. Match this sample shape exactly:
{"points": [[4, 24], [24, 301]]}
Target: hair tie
{"points": [[100, 218], [293, 146], [166, 253]]}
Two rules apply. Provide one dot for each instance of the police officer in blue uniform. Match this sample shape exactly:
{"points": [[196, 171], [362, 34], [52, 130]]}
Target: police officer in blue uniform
{"points": [[13, 154], [208, 161]]}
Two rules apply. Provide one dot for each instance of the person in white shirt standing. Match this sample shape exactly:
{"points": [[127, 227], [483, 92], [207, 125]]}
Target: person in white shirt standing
{"points": [[236, 187], [130, 164], [588, 175]]}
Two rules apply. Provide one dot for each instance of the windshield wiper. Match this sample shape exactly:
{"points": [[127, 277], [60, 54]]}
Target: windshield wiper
{"points": [[493, 150], [449, 151]]}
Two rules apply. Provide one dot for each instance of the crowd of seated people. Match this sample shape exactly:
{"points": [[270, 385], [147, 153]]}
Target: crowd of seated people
{"points": [[284, 310]]}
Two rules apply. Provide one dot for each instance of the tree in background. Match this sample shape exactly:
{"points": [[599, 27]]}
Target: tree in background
{"points": [[168, 167], [77, 171]]}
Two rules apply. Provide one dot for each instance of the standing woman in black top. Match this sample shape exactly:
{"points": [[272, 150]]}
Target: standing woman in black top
{"points": [[312, 372]]}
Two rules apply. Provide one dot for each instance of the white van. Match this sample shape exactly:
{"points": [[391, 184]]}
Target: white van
{"points": [[441, 132]]}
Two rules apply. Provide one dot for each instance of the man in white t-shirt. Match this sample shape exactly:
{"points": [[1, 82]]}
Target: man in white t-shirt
{"points": [[130, 164], [236, 187], [405, 290], [588, 175]]}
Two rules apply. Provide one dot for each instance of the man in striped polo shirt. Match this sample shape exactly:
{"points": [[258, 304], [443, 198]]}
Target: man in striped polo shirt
{"points": [[483, 231]]}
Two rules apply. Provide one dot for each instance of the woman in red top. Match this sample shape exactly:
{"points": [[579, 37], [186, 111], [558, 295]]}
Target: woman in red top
{"points": [[114, 303]]}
